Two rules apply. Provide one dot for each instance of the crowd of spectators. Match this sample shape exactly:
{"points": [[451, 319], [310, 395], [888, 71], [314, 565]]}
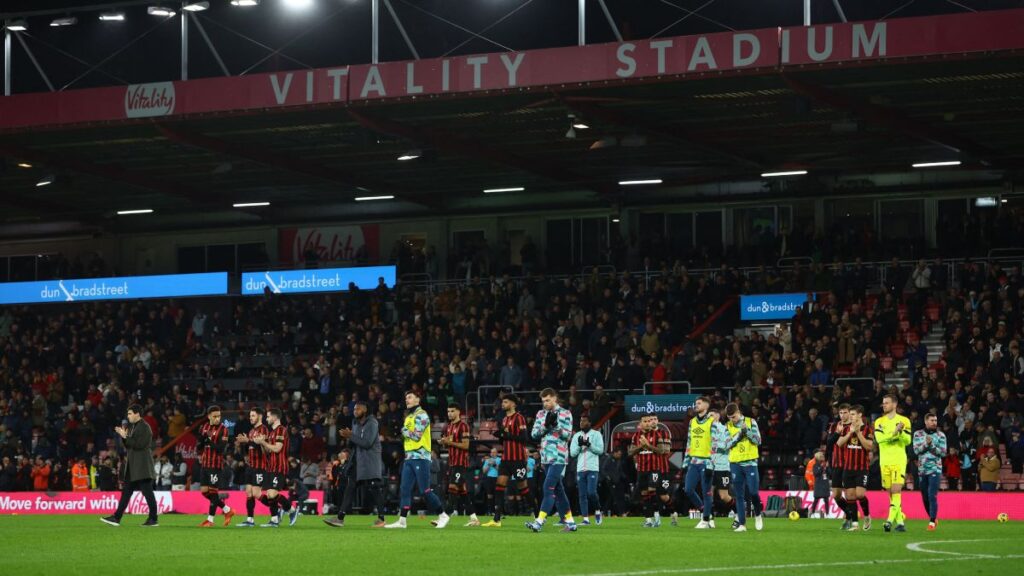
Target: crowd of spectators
{"points": [[68, 371]]}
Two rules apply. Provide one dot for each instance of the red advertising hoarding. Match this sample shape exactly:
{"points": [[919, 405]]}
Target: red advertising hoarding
{"points": [[750, 52], [105, 503], [952, 505]]}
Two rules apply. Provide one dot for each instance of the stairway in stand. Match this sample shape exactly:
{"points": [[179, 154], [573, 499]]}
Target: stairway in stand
{"points": [[933, 341]]}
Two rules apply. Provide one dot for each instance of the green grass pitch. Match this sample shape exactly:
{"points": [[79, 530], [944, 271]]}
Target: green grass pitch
{"points": [[57, 545]]}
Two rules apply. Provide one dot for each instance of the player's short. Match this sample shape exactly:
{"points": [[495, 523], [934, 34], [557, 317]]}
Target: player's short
{"points": [[516, 471], [855, 479], [893, 474], [211, 477], [274, 481], [254, 477], [457, 475], [835, 477], [723, 478], [660, 482]]}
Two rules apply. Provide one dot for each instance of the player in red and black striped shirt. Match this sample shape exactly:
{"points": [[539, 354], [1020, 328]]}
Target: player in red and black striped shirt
{"points": [[213, 440], [856, 441], [514, 434], [836, 430], [254, 463], [645, 456], [275, 454], [650, 449], [456, 439]]}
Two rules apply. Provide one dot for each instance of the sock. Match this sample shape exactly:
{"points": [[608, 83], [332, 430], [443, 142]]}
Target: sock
{"points": [[844, 506], [666, 508], [264, 500], [894, 506], [405, 512], [250, 508], [452, 502], [541, 516], [272, 504], [212, 509], [568, 518], [467, 502], [499, 502], [525, 500], [218, 501], [865, 506], [283, 502]]}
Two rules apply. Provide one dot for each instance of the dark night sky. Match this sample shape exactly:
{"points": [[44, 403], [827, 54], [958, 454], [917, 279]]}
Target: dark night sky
{"points": [[337, 32]]}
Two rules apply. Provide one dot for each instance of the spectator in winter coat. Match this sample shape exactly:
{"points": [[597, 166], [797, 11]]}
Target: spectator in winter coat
{"points": [[988, 464]]}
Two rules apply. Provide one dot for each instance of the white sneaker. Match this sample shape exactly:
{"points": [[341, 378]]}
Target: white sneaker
{"points": [[732, 514], [740, 528], [442, 520], [759, 522], [711, 523], [675, 519], [473, 521], [400, 523], [702, 525]]}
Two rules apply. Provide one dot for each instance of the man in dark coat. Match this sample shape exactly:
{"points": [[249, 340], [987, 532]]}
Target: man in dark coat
{"points": [[137, 471], [368, 469]]}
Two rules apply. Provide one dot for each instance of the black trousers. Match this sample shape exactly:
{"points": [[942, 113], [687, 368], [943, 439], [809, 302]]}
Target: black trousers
{"points": [[144, 486], [376, 493]]}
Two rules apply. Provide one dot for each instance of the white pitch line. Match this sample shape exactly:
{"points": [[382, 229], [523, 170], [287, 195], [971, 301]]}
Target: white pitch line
{"points": [[919, 547], [879, 562]]}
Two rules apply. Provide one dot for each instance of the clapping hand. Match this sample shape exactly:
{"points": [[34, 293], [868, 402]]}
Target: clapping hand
{"points": [[928, 440], [899, 427], [346, 433], [551, 420], [121, 431]]}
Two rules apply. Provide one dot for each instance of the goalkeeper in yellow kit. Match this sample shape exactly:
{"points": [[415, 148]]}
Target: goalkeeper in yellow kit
{"points": [[893, 435]]}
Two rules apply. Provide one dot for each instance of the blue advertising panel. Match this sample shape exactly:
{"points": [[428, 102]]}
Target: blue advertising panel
{"points": [[123, 288], [670, 406], [319, 280], [772, 306]]}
